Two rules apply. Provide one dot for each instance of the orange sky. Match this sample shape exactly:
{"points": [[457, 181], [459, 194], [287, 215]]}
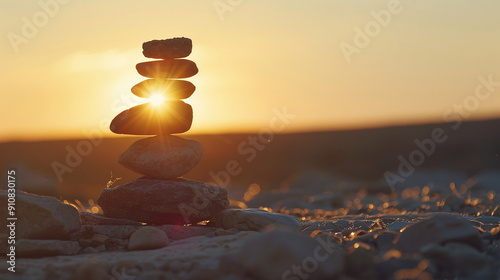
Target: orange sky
{"points": [[72, 70]]}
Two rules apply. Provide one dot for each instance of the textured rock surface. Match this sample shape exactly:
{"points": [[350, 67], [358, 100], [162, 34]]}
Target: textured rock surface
{"points": [[459, 259], [114, 231], [176, 201], [258, 256], [182, 232], [254, 219], [87, 218], [367, 230], [440, 229], [171, 68], [147, 238], [29, 248], [167, 48], [175, 261], [174, 89], [147, 119], [174, 232], [162, 157], [41, 217], [362, 243]]}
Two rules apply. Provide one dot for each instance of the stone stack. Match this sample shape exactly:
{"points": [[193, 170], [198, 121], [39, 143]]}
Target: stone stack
{"points": [[161, 197]]}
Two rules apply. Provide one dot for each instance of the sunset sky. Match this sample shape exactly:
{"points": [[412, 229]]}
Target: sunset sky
{"points": [[67, 68]]}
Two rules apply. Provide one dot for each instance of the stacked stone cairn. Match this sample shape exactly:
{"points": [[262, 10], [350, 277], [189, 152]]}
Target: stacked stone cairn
{"points": [[161, 196]]}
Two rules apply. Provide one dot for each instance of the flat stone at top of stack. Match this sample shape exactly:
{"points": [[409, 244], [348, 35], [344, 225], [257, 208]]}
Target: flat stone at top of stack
{"points": [[168, 48], [170, 66]]}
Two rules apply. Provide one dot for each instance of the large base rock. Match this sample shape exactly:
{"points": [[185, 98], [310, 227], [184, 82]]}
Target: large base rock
{"points": [[176, 201]]}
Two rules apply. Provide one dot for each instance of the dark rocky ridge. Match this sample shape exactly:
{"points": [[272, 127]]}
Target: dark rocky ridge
{"points": [[361, 154]]}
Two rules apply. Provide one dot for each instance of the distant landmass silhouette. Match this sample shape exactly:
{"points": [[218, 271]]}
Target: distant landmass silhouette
{"points": [[238, 160]]}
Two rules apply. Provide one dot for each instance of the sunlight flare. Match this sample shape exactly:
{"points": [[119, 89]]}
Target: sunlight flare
{"points": [[156, 99]]}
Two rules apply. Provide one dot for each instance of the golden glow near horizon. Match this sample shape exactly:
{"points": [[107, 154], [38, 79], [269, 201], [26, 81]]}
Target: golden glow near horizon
{"points": [[331, 64]]}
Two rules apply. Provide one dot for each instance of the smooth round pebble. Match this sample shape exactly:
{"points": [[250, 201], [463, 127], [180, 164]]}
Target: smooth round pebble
{"points": [[147, 238], [164, 157]]}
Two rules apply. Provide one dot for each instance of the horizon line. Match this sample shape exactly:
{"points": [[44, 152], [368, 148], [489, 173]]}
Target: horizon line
{"points": [[318, 129]]}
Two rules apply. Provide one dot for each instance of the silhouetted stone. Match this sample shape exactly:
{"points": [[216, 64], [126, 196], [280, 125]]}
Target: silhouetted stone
{"points": [[148, 119], [165, 157], [170, 68], [167, 48], [176, 201], [174, 89]]}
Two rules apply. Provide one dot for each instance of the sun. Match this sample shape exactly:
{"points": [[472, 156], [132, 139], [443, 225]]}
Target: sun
{"points": [[156, 99]]}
